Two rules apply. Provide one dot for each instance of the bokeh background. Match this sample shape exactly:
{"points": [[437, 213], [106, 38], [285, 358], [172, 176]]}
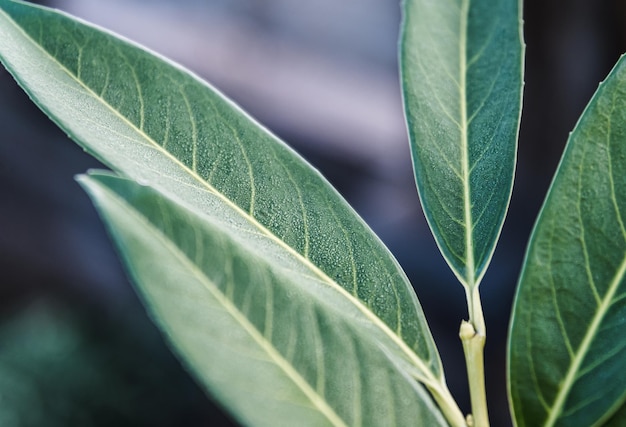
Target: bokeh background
{"points": [[76, 347]]}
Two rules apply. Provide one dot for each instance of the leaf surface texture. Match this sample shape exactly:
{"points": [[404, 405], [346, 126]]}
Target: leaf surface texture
{"points": [[161, 126], [251, 321], [461, 66], [567, 342]]}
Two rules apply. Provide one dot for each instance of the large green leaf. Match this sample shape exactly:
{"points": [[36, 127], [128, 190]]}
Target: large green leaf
{"points": [[567, 364], [275, 343], [152, 121], [461, 65]]}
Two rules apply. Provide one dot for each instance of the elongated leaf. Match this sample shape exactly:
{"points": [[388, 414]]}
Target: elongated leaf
{"points": [[566, 357], [156, 123], [461, 65], [255, 325]]}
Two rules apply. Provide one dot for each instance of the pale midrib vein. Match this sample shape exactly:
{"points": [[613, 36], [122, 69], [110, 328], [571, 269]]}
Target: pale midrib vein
{"points": [[436, 384], [570, 378], [602, 308], [465, 166], [234, 311]]}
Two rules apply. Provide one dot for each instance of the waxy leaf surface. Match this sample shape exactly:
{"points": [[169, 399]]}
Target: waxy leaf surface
{"points": [[156, 123], [461, 66], [273, 342], [567, 363]]}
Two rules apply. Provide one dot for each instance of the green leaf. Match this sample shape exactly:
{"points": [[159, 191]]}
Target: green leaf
{"points": [[277, 345], [461, 66], [567, 342], [618, 419], [66, 364], [156, 123]]}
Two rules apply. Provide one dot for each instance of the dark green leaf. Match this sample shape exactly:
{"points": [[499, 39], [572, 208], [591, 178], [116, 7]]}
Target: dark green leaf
{"points": [[567, 343], [461, 65], [618, 419]]}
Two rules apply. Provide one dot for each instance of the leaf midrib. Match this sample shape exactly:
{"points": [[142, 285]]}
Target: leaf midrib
{"points": [[603, 304], [585, 345], [465, 166], [233, 310], [429, 379]]}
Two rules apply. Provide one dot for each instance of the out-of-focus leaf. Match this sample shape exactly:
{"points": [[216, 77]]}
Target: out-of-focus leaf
{"points": [[60, 366], [567, 362]]}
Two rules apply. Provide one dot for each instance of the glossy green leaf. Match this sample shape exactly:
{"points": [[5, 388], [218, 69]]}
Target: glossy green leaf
{"points": [[152, 121], [275, 343], [567, 363], [461, 65]]}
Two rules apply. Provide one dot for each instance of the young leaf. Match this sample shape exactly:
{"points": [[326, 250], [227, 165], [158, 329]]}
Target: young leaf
{"points": [[255, 324], [461, 66], [152, 121], [566, 348]]}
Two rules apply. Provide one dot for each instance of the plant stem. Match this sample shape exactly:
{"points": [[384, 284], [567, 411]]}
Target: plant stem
{"points": [[475, 309], [473, 337], [448, 406]]}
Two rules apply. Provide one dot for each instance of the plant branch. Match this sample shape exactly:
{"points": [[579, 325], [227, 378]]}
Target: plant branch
{"points": [[473, 346], [475, 309]]}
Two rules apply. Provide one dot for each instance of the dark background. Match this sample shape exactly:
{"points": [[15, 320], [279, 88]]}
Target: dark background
{"points": [[75, 345]]}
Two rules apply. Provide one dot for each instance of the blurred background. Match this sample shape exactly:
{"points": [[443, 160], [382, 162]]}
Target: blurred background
{"points": [[76, 347]]}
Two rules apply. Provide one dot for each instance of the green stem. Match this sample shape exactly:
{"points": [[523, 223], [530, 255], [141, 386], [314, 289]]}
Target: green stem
{"points": [[473, 337], [448, 406], [475, 309]]}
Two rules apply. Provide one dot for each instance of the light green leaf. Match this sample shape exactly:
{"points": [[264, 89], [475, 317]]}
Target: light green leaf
{"points": [[461, 66], [152, 121], [567, 341], [273, 341]]}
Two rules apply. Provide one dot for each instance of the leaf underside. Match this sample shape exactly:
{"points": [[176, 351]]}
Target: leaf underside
{"points": [[273, 346], [567, 344], [461, 66], [159, 125]]}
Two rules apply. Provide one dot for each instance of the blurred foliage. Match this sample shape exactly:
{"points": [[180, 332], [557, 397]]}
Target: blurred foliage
{"points": [[63, 366]]}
